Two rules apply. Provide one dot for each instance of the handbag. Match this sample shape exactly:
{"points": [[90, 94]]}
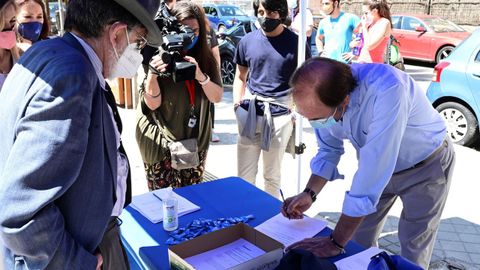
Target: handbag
{"points": [[184, 154]]}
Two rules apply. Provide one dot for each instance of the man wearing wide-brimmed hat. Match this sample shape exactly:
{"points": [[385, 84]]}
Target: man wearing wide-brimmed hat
{"points": [[64, 173]]}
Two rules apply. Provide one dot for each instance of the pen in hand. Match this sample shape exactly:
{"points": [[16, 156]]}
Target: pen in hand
{"points": [[284, 205]]}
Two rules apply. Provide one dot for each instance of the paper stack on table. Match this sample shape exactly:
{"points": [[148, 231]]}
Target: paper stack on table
{"points": [[359, 260], [288, 231], [150, 204], [226, 256]]}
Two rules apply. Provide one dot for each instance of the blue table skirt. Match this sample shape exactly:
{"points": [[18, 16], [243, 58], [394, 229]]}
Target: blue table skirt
{"points": [[228, 197]]}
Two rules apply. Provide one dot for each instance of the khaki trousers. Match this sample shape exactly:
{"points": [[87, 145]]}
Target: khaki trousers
{"points": [[248, 153], [423, 190]]}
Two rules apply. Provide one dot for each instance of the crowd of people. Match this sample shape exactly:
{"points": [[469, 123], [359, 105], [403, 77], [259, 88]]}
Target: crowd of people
{"points": [[22, 22], [65, 176]]}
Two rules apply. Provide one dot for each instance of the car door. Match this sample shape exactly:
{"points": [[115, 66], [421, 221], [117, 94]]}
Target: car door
{"points": [[413, 44], [473, 74]]}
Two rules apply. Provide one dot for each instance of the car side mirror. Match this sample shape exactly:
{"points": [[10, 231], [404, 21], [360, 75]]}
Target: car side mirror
{"points": [[420, 29]]}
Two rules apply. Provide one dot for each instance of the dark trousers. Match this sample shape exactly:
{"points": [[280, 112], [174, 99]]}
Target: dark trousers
{"points": [[111, 248], [212, 112]]}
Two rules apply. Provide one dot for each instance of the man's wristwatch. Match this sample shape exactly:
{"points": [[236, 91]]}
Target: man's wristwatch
{"points": [[311, 193]]}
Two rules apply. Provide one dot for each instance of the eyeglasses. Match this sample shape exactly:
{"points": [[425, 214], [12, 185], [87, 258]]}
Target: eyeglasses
{"points": [[140, 43]]}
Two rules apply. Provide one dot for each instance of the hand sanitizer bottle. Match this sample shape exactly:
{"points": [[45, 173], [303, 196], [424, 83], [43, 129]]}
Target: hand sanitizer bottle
{"points": [[170, 211]]}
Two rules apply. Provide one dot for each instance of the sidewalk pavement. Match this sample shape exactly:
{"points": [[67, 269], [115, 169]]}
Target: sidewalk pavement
{"points": [[458, 240]]}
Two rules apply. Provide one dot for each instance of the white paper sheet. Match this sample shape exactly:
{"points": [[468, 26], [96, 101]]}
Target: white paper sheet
{"points": [[358, 261], [150, 205], [226, 256], [288, 231]]}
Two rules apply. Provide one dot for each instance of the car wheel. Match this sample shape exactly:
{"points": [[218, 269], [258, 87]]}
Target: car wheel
{"points": [[228, 69], [221, 28], [462, 126], [443, 53]]}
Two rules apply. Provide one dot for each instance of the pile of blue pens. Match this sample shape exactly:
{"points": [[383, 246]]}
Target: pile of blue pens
{"points": [[202, 226]]}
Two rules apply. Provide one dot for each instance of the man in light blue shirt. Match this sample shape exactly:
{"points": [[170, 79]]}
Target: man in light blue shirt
{"points": [[335, 31], [401, 146]]}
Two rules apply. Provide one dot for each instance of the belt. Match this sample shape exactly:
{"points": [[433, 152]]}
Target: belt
{"points": [[432, 156]]}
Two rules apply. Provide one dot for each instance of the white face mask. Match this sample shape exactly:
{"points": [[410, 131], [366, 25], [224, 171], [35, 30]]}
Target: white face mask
{"points": [[128, 64]]}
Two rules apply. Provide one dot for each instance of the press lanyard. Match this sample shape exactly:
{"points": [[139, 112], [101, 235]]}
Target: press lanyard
{"points": [[192, 121]]}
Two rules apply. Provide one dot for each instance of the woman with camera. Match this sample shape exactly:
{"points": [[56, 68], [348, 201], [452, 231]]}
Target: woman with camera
{"points": [[174, 123]]}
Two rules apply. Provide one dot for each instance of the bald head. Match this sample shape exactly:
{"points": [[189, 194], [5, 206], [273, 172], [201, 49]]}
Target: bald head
{"points": [[324, 79], [320, 85]]}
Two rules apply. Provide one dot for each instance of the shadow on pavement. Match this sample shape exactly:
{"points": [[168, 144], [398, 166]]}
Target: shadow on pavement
{"points": [[457, 245]]}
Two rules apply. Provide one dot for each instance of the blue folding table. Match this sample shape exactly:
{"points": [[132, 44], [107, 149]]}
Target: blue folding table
{"points": [[228, 197]]}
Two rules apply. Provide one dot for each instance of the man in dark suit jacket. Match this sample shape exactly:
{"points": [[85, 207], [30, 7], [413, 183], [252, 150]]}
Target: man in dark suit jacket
{"points": [[64, 176]]}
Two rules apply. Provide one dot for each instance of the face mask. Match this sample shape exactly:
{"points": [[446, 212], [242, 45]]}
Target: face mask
{"points": [[194, 41], [7, 39], [268, 24], [128, 64], [324, 122], [30, 30]]}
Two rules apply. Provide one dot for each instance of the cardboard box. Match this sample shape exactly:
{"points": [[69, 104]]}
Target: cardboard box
{"points": [[273, 249]]}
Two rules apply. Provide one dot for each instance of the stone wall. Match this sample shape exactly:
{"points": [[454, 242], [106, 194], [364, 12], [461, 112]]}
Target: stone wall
{"points": [[466, 12]]}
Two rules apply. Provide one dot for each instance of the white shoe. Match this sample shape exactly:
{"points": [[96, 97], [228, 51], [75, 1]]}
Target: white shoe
{"points": [[215, 137]]}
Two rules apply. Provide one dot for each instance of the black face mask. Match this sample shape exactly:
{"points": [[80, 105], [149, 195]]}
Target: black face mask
{"points": [[268, 24]]}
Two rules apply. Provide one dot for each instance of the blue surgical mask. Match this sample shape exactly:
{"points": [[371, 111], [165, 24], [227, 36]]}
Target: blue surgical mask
{"points": [[195, 39], [324, 122], [30, 30]]}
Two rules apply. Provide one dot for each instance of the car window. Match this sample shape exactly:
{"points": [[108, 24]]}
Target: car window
{"points": [[231, 11], [441, 25], [214, 12], [396, 22], [207, 10], [409, 23]]}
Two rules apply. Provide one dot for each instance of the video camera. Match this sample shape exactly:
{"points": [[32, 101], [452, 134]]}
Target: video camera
{"points": [[176, 38]]}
